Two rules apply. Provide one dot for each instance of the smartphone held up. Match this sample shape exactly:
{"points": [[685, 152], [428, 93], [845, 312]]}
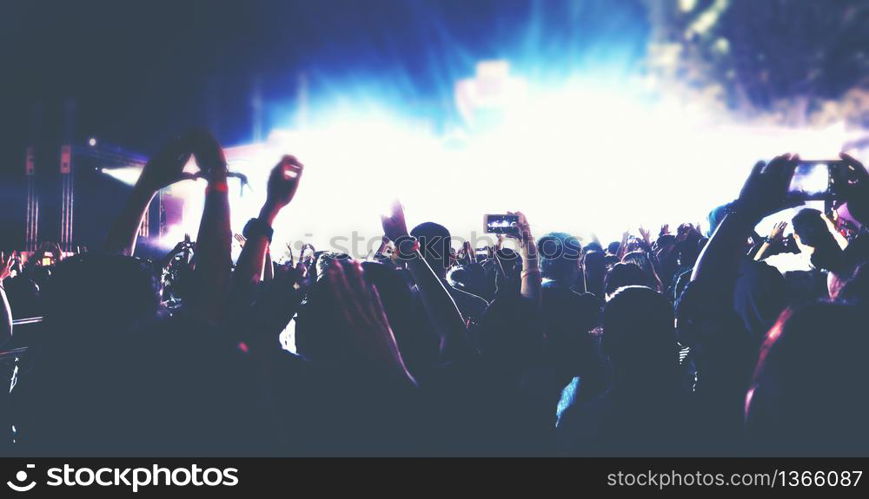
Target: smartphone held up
{"points": [[501, 224], [819, 180]]}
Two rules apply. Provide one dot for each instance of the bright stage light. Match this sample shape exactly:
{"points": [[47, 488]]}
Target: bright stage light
{"points": [[92, 141], [582, 158], [585, 155], [127, 174]]}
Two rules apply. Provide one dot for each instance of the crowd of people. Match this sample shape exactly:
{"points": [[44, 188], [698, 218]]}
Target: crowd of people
{"points": [[676, 343]]}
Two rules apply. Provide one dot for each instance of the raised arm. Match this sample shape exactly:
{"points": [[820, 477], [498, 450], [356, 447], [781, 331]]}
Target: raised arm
{"points": [[532, 281], [213, 264], [623, 245], [764, 193], [282, 185], [775, 236], [164, 169], [439, 305]]}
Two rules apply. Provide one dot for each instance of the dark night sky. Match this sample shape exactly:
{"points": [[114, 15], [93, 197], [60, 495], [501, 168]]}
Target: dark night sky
{"points": [[141, 70]]}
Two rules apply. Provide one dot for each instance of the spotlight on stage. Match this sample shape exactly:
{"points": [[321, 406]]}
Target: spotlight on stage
{"points": [[126, 174], [92, 141]]}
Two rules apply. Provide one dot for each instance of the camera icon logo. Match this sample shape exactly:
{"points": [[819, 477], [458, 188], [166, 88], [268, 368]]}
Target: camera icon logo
{"points": [[18, 485]]}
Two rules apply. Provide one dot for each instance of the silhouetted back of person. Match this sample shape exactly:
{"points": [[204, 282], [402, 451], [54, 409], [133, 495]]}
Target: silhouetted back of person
{"points": [[559, 255], [435, 245], [595, 272], [568, 316], [337, 400], [760, 294], [435, 242], [625, 274], [812, 231], [808, 395], [645, 411], [77, 398]]}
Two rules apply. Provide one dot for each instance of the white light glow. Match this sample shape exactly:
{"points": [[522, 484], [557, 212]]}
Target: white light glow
{"points": [[127, 175], [581, 157]]}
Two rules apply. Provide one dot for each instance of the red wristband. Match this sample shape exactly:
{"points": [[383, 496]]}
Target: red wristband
{"points": [[217, 186]]}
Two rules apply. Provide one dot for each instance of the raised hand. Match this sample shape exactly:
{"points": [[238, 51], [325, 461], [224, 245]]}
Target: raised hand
{"points": [[524, 229], [254, 262], [208, 153], [765, 190], [284, 181], [623, 244], [647, 235], [665, 230], [777, 232], [166, 167], [240, 239], [394, 226]]}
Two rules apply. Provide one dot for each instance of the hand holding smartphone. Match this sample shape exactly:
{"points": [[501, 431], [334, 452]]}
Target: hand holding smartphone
{"points": [[818, 180]]}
